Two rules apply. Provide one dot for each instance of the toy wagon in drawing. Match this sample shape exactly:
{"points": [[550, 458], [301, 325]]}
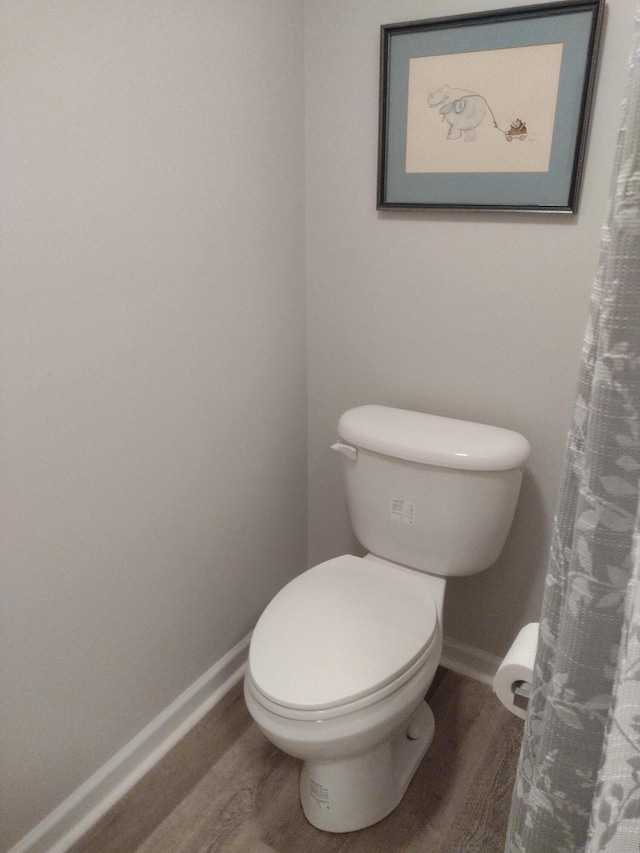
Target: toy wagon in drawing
{"points": [[517, 130]]}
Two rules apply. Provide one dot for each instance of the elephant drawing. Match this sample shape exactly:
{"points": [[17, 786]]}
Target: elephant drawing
{"points": [[461, 109]]}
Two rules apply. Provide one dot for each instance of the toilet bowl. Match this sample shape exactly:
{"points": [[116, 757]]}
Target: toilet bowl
{"points": [[341, 659], [357, 719]]}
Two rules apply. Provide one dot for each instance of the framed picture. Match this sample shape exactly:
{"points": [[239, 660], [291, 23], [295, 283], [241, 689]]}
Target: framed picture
{"points": [[488, 111]]}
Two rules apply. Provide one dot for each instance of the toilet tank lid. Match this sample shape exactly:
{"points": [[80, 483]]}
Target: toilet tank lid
{"points": [[433, 440]]}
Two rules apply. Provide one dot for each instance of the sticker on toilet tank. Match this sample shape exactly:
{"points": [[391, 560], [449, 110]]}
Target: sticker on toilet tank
{"points": [[319, 793], [402, 511]]}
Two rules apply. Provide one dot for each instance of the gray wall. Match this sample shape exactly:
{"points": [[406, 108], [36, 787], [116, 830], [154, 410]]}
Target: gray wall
{"points": [[472, 316], [153, 421]]}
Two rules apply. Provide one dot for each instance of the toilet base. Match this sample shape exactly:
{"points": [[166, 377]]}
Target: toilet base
{"points": [[349, 794]]}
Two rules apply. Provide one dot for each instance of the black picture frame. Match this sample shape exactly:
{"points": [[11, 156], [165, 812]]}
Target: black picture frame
{"points": [[488, 111]]}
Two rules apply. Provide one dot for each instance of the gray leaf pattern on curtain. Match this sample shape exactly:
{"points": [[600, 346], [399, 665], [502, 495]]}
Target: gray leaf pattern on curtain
{"points": [[578, 783]]}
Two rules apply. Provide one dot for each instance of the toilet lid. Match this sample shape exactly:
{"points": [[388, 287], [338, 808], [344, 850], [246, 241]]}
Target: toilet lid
{"points": [[341, 631]]}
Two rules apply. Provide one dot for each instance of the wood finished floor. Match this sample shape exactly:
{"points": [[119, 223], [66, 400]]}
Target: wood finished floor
{"points": [[225, 788]]}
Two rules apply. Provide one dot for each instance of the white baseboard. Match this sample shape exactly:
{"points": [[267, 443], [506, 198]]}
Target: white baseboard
{"points": [[466, 660], [79, 812]]}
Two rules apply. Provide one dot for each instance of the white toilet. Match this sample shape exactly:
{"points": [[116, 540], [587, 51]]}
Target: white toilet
{"points": [[341, 659]]}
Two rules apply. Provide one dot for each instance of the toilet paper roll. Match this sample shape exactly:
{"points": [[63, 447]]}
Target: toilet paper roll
{"points": [[512, 683]]}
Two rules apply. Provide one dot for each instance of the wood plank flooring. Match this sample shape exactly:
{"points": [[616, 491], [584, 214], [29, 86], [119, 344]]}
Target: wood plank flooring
{"points": [[225, 788]]}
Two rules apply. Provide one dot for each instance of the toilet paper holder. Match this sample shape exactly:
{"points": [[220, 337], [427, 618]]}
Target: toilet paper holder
{"points": [[521, 694]]}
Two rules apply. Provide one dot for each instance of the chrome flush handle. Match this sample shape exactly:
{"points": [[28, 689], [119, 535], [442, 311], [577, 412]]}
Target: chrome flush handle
{"points": [[346, 449]]}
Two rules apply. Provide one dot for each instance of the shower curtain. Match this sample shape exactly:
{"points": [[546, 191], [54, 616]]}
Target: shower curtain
{"points": [[578, 782]]}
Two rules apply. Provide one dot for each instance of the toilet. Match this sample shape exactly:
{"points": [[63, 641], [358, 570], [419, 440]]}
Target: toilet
{"points": [[341, 659]]}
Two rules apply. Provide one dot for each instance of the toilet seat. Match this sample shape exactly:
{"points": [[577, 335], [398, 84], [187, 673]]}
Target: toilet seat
{"points": [[341, 636]]}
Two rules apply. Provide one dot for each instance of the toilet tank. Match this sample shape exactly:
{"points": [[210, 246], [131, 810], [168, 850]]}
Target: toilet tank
{"points": [[432, 493]]}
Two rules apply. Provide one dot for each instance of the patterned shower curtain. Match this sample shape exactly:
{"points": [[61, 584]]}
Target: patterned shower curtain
{"points": [[578, 784]]}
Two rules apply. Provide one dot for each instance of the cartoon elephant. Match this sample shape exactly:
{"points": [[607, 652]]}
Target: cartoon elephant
{"points": [[463, 110]]}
